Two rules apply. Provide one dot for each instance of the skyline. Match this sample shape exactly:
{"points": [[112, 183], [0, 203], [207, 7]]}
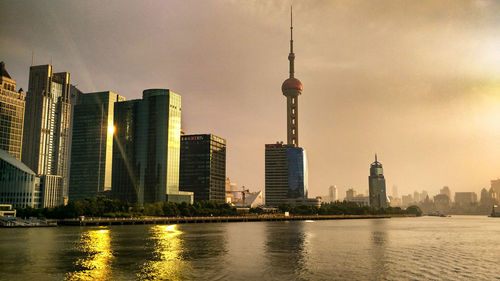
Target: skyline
{"points": [[437, 74]]}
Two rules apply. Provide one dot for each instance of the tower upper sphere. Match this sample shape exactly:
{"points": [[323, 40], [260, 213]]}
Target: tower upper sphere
{"points": [[291, 84]]}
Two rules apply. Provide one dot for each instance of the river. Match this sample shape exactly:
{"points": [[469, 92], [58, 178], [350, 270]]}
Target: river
{"points": [[425, 248]]}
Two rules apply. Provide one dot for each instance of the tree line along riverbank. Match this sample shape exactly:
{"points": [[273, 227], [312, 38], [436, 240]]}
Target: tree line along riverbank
{"points": [[104, 207]]}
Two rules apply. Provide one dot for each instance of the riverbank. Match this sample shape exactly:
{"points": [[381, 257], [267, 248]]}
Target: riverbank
{"points": [[178, 220]]}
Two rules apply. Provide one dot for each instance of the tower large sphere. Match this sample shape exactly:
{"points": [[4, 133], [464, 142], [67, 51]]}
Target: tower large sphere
{"points": [[291, 84]]}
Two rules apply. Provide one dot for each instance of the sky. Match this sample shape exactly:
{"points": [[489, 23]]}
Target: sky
{"points": [[417, 82]]}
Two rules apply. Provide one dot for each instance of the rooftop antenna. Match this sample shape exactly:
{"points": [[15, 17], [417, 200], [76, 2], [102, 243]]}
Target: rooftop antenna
{"points": [[376, 157], [32, 58]]}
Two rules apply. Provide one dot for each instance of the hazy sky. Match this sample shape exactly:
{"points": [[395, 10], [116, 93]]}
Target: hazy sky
{"points": [[417, 82]]}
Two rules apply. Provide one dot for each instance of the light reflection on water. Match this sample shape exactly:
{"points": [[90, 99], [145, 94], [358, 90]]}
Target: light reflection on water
{"points": [[428, 248], [166, 262], [96, 246]]}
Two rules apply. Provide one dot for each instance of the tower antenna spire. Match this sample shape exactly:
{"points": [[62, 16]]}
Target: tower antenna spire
{"points": [[376, 157], [291, 56]]}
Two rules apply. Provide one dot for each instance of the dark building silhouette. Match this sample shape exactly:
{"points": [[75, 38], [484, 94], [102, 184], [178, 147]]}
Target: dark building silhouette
{"points": [[376, 181], [47, 131], [11, 114], [146, 149], [203, 167], [92, 145]]}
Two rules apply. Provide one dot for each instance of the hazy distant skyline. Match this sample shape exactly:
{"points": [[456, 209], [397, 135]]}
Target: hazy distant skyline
{"points": [[417, 82]]}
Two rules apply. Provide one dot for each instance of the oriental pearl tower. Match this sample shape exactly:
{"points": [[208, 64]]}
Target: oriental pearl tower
{"points": [[291, 89]]}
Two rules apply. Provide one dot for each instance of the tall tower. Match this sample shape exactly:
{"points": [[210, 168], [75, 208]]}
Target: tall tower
{"points": [[376, 182], [291, 89]]}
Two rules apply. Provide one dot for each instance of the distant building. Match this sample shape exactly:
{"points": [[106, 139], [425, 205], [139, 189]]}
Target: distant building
{"points": [[203, 167], [407, 200], [394, 191], [446, 191], [416, 197], [442, 202], [92, 145], [19, 185], [47, 131], [286, 174], [333, 193], [376, 180], [465, 198], [350, 193], [11, 114], [395, 201], [360, 199], [486, 198], [146, 149], [495, 190]]}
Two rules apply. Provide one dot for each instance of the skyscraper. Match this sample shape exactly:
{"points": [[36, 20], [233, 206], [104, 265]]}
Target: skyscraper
{"points": [[286, 174], [203, 167], [47, 131], [11, 115], [376, 181], [146, 149], [286, 164], [333, 193], [92, 145]]}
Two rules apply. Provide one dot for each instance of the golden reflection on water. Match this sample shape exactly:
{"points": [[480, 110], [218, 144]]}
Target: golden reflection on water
{"points": [[166, 262], [96, 245]]}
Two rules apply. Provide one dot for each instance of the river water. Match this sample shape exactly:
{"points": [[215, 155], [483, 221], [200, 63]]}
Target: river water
{"points": [[426, 248]]}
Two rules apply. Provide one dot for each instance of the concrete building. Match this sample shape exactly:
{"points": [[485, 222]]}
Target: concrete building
{"points": [[350, 193], [203, 167], [446, 191], [286, 173], [465, 198], [442, 202], [146, 149], [333, 193], [47, 130], [495, 190], [19, 185], [376, 182], [11, 114], [92, 145], [407, 200], [252, 200], [360, 199]]}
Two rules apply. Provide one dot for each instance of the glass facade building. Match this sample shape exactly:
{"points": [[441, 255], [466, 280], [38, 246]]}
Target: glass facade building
{"points": [[19, 185], [146, 152], [11, 114], [376, 182], [286, 173], [47, 120], [92, 145], [203, 167]]}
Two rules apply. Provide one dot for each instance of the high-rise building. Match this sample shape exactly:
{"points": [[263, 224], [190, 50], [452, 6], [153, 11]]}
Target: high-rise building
{"points": [[394, 191], [465, 198], [350, 193], [47, 131], [203, 167], [286, 165], [92, 145], [19, 185], [376, 183], [333, 193], [146, 149], [286, 173], [11, 115], [446, 191]]}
